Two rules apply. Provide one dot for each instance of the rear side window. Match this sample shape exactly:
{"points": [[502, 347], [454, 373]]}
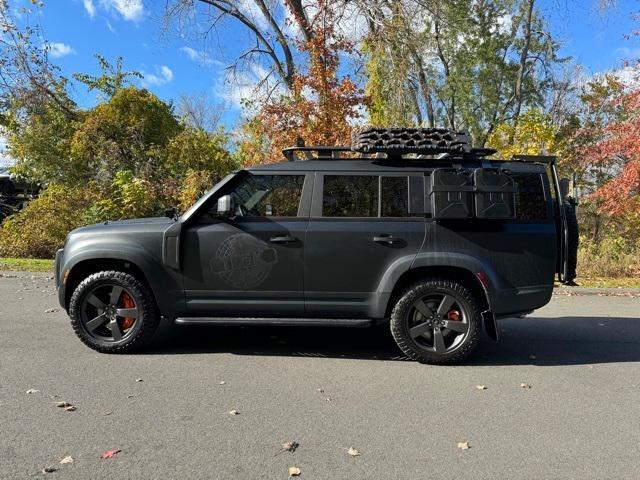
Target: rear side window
{"points": [[350, 196], [530, 200]]}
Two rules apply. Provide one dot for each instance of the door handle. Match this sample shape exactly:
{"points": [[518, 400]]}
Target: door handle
{"points": [[283, 239], [388, 239]]}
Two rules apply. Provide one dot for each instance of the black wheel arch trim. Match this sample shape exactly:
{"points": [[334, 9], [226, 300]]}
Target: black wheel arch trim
{"points": [[155, 276]]}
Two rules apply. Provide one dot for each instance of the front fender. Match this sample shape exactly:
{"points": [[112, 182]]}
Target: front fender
{"points": [[165, 287]]}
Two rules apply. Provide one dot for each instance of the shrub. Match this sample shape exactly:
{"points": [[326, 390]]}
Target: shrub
{"points": [[40, 228], [613, 256]]}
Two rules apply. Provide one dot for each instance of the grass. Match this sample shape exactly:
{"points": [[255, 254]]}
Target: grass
{"points": [[26, 264], [42, 265], [608, 282]]}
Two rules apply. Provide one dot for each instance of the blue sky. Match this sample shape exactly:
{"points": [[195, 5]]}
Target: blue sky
{"points": [[77, 29]]}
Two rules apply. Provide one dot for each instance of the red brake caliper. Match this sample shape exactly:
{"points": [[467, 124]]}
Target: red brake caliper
{"points": [[453, 315], [127, 302]]}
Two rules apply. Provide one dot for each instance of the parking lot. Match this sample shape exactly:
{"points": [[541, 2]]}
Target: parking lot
{"points": [[167, 409]]}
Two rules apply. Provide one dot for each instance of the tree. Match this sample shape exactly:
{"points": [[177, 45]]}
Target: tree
{"points": [[128, 132], [112, 79], [460, 64], [321, 104], [534, 134]]}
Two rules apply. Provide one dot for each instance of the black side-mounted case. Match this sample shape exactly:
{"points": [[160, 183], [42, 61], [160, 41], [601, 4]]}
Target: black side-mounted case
{"points": [[495, 194], [452, 193]]}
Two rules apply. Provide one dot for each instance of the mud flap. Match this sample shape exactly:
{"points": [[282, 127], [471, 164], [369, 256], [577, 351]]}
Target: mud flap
{"points": [[490, 325]]}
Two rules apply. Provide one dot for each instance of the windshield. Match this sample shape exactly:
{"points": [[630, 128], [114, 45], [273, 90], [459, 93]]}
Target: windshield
{"points": [[207, 195]]}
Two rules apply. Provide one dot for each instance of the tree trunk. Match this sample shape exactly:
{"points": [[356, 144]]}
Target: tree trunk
{"points": [[523, 61]]}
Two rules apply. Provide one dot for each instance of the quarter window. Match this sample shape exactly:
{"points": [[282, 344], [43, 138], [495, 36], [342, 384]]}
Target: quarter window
{"points": [[268, 195], [395, 196], [350, 196]]}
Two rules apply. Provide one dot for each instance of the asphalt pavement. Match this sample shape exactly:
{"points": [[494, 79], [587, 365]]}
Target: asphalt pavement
{"points": [[167, 409]]}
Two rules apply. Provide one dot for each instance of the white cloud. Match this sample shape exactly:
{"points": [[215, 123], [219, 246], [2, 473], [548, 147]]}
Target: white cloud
{"points": [[162, 76], [199, 56], [131, 10], [89, 7], [57, 49]]}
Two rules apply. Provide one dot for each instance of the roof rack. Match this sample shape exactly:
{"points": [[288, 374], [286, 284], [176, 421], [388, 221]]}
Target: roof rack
{"points": [[324, 152], [400, 144]]}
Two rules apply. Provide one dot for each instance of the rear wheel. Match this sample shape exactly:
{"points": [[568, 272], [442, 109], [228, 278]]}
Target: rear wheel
{"points": [[7, 189], [113, 312], [436, 321]]}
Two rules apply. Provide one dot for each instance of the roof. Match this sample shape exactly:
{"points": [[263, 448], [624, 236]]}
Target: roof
{"points": [[385, 165]]}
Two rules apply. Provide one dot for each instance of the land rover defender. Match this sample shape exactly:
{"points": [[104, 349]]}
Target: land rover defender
{"points": [[407, 226]]}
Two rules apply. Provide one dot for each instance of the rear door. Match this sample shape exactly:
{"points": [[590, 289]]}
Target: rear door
{"points": [[251, 264], [361, 223]]}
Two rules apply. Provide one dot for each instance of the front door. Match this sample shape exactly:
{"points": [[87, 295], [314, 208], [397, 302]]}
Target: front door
{"points": [[251, 264], [360, 225]]}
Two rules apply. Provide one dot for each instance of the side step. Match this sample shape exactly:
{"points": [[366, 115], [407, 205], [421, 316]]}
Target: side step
{"points": [[297, 322]]}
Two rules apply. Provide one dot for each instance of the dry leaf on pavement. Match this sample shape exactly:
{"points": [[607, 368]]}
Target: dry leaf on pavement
{"points": [[67, 459], [481, 387], [525, 385], [234, 412], [463, 445], [353, 451], [109, 453], [222, 382], [294, 472], [32, 390], [139, 380], [49, 469]]}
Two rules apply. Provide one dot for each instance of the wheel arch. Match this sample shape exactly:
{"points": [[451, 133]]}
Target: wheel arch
{"points": [[449, 272]]}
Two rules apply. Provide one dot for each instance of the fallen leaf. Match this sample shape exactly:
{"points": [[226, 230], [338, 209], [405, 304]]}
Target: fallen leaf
{"points": [[353, 452], [290, 446], [525, 385], [139, 380], [66, 405], [131, 395], [463, 445], [67, 459], [109, 453], [234, 412], [32, 390], [294, 472], [108, 413], [321, 390], [481, 387], [328, 399], [51, 310], [49, 469], [222, 382]]}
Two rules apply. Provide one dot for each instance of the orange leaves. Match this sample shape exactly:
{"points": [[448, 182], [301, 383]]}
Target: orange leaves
{"points": [[321, 102]]}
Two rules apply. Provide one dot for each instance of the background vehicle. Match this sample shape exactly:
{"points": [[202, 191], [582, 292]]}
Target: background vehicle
{"points": [[12, 185], [418, 228]]}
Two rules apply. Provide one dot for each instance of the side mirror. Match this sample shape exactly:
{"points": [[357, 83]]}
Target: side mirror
{"points": [[170, 213], [226, 207], [564, 188]]}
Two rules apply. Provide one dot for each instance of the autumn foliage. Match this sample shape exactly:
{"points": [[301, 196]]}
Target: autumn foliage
{"points": [[321, 103]]}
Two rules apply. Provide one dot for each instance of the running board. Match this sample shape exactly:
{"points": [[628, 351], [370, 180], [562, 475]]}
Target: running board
{"points": [[297, 322]]}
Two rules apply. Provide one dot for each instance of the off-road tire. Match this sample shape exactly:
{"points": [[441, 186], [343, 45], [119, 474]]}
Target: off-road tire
{"points": [[146, 323], [399, 321]]}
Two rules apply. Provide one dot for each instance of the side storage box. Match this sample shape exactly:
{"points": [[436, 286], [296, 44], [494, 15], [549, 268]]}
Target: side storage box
{"points": [[451, 193], [495, 194]]}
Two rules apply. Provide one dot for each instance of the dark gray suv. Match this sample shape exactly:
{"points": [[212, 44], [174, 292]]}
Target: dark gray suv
{"points": [[414, 227]]}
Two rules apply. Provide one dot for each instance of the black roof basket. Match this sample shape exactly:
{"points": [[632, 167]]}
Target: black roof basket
{"points": [[396, 143]]}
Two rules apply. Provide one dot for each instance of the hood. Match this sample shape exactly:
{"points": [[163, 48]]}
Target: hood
{"points": [[132, 225]]}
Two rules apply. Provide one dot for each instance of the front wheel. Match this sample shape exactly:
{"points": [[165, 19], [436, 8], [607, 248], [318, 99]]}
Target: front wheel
{"points": [[113, 312], [436, 321]]}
